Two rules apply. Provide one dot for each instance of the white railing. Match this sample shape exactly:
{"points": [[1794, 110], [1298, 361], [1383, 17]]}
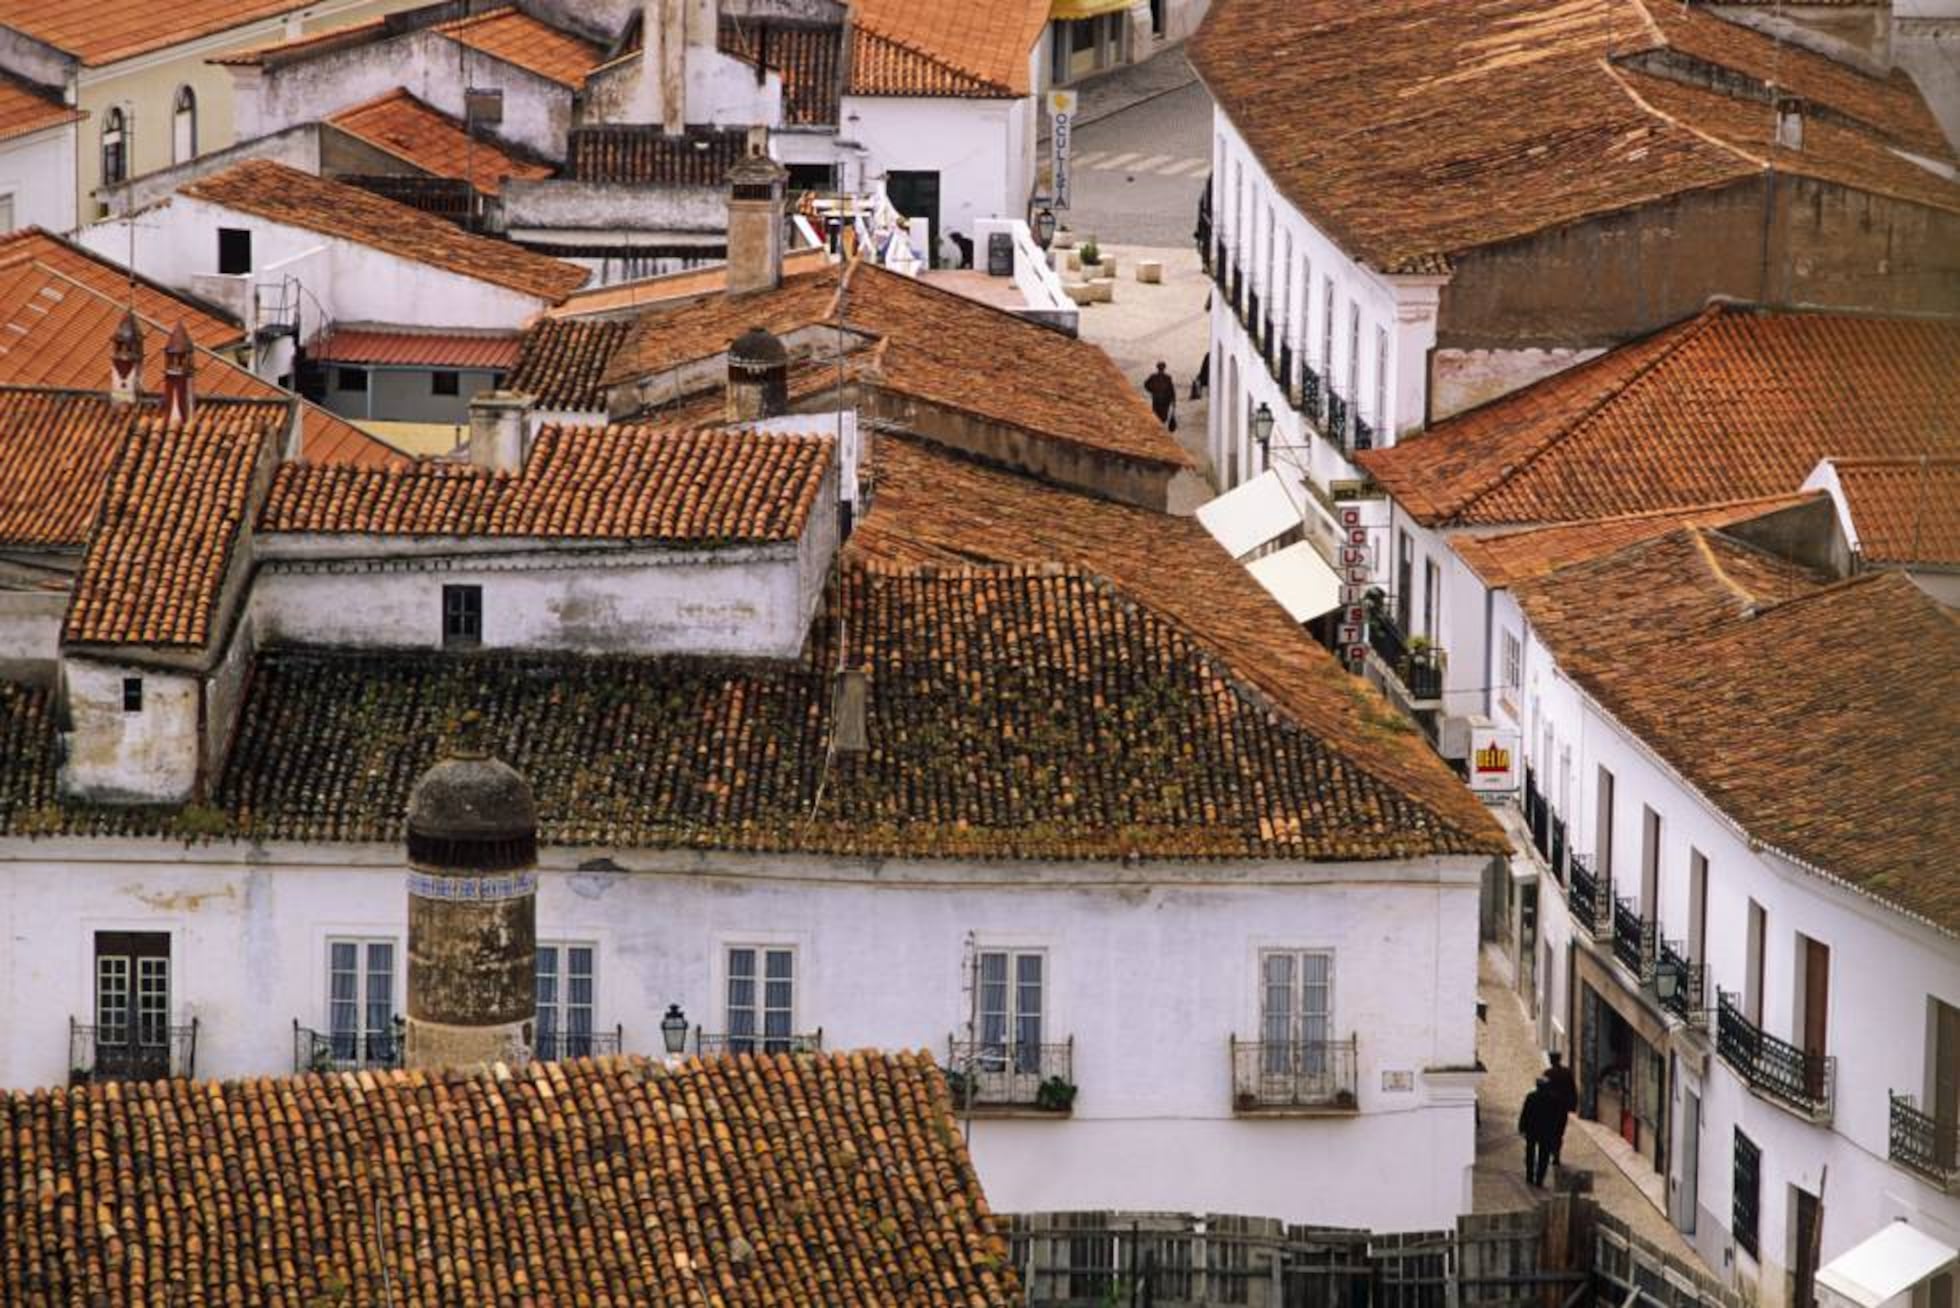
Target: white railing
{"points": [[1034, 277], [884, 235]]}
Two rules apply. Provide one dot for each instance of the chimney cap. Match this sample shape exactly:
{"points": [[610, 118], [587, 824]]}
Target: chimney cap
{"points": [[129, 334], [472, 812], [757, 170], [756, 349], [178, 348]]}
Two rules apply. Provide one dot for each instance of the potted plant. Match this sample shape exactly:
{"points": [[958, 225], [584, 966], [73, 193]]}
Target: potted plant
{"points": [[1055, 1095], [1344, 1099], [1246, 1101], [956, 1086], [1091, 253]]}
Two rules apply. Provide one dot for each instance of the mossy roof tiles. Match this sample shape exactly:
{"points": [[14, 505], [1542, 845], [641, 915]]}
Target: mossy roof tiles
{"points": [[748, 1182]]}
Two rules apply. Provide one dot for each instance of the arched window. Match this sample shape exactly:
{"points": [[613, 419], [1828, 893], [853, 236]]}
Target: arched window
{"points": [[183, 125], [115, 149]]}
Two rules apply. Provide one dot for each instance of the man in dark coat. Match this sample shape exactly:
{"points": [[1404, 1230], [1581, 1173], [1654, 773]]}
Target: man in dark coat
{"points": [[1538, 1122], [1565, 1091], [1163, 395]]}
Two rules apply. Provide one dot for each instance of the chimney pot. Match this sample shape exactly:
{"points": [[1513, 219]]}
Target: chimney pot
{"points": [[755, 224], [758, 377], [179, 376], [126, 361]]}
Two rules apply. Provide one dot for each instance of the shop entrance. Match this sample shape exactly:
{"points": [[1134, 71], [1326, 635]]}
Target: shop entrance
{"points": [[1623, 1083]]}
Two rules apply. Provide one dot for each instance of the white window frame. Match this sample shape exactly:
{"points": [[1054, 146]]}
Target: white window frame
{"points": [[183, 124], [1381, 384], [757, 1037], [355, 1046], [560, 1006], [1295, 1050], [992, 1050]]}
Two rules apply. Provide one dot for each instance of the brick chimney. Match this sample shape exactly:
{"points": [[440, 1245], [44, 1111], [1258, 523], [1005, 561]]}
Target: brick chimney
{"points": [[179, 376], [755, 224], [126, 361]]}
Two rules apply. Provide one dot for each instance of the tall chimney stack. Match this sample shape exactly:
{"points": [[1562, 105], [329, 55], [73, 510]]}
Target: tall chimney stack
{"points": [[472, 911], [497, 430], [179, 373], [126, 362], [663, 64], [755, 224]]}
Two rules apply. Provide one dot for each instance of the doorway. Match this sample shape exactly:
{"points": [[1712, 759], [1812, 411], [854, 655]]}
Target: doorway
{"points": [[916, 195], [132, 1005], [1687, 1187], [1803, 1258]]}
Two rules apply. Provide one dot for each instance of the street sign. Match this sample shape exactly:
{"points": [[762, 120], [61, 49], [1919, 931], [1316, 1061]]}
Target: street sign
{"points": [[1061, 108]]}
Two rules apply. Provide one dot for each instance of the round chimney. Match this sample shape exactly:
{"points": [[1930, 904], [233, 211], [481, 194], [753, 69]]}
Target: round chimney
{"points": [[472, 913], [758, 377]]}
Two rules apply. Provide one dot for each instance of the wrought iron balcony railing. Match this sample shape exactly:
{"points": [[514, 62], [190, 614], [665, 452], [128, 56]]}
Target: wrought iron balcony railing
{"points": [[1269, 348], [1421, 670], [1678, 984], [1364, 435], [1556, 857], [983, 1075], [1774, 1068], [140, 1051], [1633, 939], [1925, 1146], [1311, 391], [707, 1044], [346, 1051], [1238, 291], [1252, 318], [1337, 418], [1285, 376], [1536, 818], [1292, 1075], [1590, 897], [554, 1046], [1385, 634]]}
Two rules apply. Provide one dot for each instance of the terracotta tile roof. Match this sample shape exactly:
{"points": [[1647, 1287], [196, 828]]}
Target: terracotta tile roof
{"points": [[808, 58], [27, 108], [560, 362], [1904, 510], [1511, 557], [1014, 713], [56, 450], [103, 31], [607, 483], [1735, 403], [825, 1178], [934, 508], [1764, 689], [944, 47], [425, 349], [274, 53], [939, 346], [643, 154], [287, 195], [646, 292], [59, 305], [434, 142], [170, 522], [517, 38], [1415, 128]]}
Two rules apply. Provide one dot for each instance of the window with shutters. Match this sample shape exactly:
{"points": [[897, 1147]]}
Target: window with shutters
{"points": [[1748, 1191]]}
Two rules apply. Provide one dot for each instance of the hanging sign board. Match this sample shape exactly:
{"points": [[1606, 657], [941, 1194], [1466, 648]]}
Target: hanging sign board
{"points": [[1493, 758], [1061, 108]]}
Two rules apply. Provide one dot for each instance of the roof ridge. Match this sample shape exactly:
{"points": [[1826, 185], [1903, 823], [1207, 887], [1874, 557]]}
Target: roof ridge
{"points": [[396, 93], [1612, 71], [931, 57], [1690, 329], [1750, 603], [1834, 588]]}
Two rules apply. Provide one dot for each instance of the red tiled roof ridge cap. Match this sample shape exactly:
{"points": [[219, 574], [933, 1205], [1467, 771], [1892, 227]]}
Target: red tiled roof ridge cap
{"points": [[1641, 515]]}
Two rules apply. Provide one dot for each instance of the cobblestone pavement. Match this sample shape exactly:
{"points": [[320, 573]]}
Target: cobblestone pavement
{"points": [[1507, 1043]]}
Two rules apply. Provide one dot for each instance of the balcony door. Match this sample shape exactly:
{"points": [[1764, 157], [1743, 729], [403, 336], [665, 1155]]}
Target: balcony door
{"points": [[1815, 997], [1010, 1012], [1296, 1012], [132, 1004], [1944, 1091]]}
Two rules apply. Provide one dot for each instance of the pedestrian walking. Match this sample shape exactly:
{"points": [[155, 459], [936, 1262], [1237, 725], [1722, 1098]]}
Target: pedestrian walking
{"points": [[1162, 388], [1565, 1092], [1537, 1123]]}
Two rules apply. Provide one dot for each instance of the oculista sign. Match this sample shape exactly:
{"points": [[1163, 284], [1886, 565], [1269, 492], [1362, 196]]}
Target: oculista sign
{"points": [[1061, 107]]}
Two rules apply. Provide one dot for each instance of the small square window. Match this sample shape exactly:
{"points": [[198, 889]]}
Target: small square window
{"points": [[462, 617], [132, 694], [444, 383], [234, 250], [350, 379]]}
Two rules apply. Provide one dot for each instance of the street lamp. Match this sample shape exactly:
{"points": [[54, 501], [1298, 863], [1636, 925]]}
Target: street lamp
{"points": [[1667, 981], [1044, 227], [673, 1029], [1262, 431]]}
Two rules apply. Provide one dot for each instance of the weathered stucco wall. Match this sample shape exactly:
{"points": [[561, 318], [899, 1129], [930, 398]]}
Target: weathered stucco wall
{"points": [[1463, 379], [531, 207], [34, 173], [1601, 282], [148, 756]]}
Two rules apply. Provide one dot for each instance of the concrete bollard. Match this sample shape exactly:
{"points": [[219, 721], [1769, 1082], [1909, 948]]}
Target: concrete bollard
{"points": [[1150, 272], [1080, 292], [1103, 290]]}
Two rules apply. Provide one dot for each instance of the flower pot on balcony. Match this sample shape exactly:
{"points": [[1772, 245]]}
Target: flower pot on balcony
{"points": [[1246, 1101], [1344, 1099], [1055, 1095]]}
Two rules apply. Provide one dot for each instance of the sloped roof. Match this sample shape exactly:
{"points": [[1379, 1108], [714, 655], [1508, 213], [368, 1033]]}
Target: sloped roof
{"points": [[1734, 403], [287, 195], [517, 38], [1413, 129], [939, 346], [169, 525], [1904, 510], [807, 56], [741, 1181], [56, 450], [494, 351], [60, 304], [432, 141], [560, 362], [599, 483], [103, 31], [27, 108], [644, 154], [1762, 686], [273, 53], [1509, 557], [646, 292], [945, 47]]}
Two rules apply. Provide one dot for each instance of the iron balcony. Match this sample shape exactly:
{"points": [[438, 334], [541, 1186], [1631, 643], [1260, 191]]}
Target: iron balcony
{"points": [[1924, 1146], [1293, 1076], [1633, 940], [983, 1075], [1679, 984], [710, 1044], [1590, 898], [143, 1052], [554, 1046], [346, 1051], [1775, 1069]]}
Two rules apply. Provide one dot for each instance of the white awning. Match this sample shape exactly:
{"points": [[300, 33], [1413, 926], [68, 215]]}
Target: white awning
{"points": [[1299, 579], [1885, 1267], [1244, 518]]}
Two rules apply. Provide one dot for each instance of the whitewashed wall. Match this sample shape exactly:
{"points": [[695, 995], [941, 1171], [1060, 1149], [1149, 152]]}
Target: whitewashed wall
{"points": [[145, 756], [1883, 968], [37, 172], [1150, 969], [976, 147]]}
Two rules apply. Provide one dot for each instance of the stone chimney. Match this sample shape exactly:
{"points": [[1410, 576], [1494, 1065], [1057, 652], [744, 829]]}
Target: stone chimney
{"points": [[497, 430], [758, 377], [755, 224], [472, 912], [1789, 122], [126, 361], [179, 376], [663, 65]]}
